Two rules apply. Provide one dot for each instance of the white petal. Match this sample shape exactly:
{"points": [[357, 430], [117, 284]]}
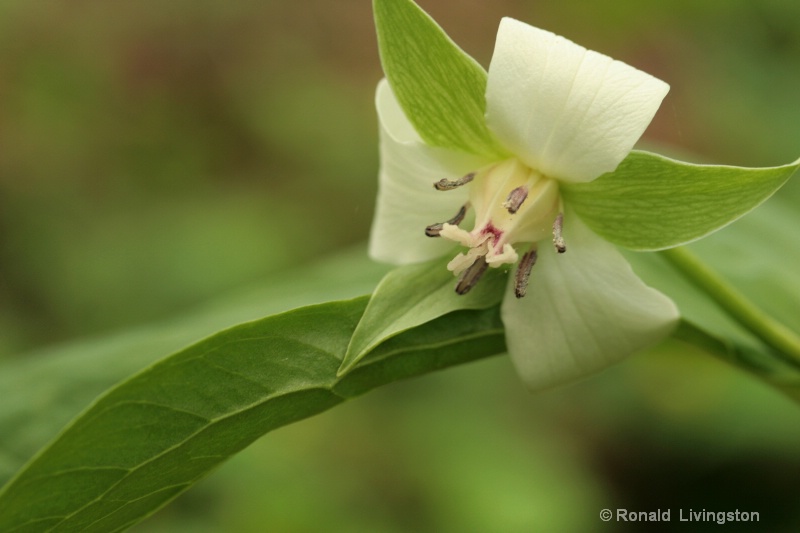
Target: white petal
{"points": [[584, 310], [407, 201], [569, 112]]}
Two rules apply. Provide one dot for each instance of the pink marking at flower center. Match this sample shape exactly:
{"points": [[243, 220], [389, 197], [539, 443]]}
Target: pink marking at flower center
{"points": [[496, 233]]}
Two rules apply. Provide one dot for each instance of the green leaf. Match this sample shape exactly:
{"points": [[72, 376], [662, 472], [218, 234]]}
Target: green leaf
{"points": [[153, 436], [413, 295], [44, 390], [651, 202], [440, 88]]}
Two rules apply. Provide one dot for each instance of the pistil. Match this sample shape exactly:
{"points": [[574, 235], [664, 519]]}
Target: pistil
{"points": [[513, 204]]}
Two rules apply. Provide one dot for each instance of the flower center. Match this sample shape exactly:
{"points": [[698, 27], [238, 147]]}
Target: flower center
{"points": [[514, 205]]}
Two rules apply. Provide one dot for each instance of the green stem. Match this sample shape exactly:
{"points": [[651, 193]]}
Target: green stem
{"points": [[769, 330]]}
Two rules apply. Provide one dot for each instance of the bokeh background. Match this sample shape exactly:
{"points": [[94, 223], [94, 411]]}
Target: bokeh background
{"points": [[156, 155]]}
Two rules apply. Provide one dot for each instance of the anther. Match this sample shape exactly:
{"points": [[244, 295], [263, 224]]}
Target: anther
{"points": [[447, 185], [524, 273], [515, 199], [558, 239], [470, 277], [435, 229]]}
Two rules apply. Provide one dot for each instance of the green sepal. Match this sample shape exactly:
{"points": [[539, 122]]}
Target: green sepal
{"points": [[440, 88], [412, 295], [651, 202]]}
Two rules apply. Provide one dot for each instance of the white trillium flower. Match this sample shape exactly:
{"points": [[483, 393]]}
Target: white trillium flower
{"points": [[564, 114]]}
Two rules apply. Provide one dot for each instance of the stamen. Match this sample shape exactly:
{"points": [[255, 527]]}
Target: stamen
{"points": [[434, 230], [515, 199], [447, 185], [558, 239], [471, 275], [524, 273]]}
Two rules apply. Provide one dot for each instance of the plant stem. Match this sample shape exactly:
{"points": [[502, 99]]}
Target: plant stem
{"points": [[764, 326]]}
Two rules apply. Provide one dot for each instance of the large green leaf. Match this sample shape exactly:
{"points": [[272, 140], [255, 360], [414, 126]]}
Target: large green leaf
{"points": [[153, 436], [651, 202], [42, 391], [413, 295], [440, 88]]}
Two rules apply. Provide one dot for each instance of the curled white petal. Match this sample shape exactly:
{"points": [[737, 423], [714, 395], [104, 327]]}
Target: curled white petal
{"points": [[571, 113], [584, 310], [407, 201], [507, 256]]}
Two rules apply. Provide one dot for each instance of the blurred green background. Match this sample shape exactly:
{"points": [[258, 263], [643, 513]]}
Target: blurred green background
{"points": [[157, 155]]}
